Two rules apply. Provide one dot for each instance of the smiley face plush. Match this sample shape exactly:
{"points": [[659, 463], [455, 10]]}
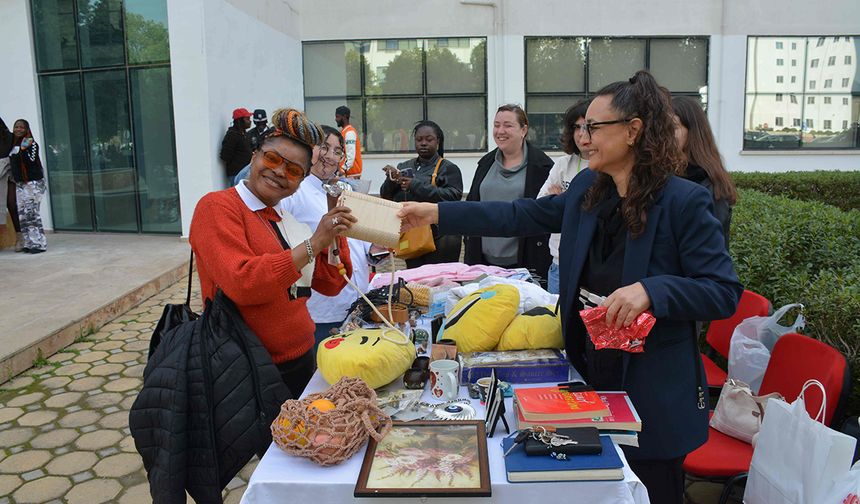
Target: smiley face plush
{"points": [[377, 356], [477, 321]]}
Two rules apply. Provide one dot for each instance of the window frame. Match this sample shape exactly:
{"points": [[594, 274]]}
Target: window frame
{"points": [[363, 97], [808, 90], [578, 95]]}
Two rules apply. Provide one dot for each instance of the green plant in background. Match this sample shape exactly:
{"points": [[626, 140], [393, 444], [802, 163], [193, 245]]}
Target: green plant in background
{"points": [[837, 188], [808, 252]]}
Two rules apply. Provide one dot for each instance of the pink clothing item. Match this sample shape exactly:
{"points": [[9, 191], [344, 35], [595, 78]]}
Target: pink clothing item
{"points": [[431, 274]]}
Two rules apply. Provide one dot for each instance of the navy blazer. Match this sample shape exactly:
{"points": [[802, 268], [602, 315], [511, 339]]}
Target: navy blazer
{"points": [[682, 262]]}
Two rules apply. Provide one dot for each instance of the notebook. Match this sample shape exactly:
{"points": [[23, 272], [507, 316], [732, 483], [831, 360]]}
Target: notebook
{"points": [[607, 466]]}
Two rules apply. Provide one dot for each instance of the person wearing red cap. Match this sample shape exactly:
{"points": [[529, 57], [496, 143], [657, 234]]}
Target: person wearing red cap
{"points": [[236, 146]]}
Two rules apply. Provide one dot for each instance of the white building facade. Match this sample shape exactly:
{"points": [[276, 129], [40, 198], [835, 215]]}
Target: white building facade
{"points": [[130, 98]]}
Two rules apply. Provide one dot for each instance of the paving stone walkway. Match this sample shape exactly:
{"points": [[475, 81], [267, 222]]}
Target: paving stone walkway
{"points": [[64, 433]]}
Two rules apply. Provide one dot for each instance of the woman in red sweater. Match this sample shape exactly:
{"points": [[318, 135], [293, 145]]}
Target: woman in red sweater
{"points": [[265, 261]]}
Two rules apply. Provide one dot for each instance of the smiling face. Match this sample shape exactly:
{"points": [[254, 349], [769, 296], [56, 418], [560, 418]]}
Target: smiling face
{"points": [[271, 185], [19, 129], [610, 146], [507, 131], [426, 142], [328, 158]]}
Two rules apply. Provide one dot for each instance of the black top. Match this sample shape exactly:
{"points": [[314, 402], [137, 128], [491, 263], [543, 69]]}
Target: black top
{"points": [[448, 187], [6, 139], [235, 150], [722, 209], [602, 275]]}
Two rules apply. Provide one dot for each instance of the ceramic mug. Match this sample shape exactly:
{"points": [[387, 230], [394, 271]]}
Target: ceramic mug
{"points": [[444, 384]]}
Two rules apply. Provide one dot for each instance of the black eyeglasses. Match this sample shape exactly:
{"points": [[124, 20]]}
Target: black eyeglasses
{"points": [[589, 128]]}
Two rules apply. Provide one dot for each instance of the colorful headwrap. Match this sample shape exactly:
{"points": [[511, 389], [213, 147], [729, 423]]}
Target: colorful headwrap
{"points": [[295, 124]]}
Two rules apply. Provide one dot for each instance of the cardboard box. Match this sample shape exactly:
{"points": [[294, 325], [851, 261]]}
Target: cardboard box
{"points": [[520, 366]]}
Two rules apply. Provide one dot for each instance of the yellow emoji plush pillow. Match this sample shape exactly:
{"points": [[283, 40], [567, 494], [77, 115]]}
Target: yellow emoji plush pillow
{"points": [[377, 356], [477, 321], [537, 328]]}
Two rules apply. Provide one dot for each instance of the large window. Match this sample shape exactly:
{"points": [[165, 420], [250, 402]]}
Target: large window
{"points": [[389, 85], [563, 70], [824, 110], [104, 79]]}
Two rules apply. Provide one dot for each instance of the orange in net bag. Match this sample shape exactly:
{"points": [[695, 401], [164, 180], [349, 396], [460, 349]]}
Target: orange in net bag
{"points": [[329, 427]]}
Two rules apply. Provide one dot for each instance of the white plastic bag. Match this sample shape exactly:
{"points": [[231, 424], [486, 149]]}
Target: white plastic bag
{"points": [[752, 341], [796, 459]]}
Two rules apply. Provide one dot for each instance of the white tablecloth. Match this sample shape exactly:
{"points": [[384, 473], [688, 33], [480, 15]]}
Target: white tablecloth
{"points": [[280, 477]]}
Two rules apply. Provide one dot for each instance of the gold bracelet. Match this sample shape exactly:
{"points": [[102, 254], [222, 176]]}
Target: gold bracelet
{"points": [[310, 251]]}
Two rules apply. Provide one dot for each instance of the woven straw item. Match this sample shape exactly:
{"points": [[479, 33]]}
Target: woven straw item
{"points": [[377, 218], [331, 437], [420, 294]]}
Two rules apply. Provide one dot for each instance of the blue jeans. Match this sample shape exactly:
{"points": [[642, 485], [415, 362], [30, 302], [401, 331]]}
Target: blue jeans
{"points": [[552, 279]]}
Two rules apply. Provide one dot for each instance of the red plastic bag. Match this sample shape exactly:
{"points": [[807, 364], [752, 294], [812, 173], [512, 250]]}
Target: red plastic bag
{"points": [[630, 339]]}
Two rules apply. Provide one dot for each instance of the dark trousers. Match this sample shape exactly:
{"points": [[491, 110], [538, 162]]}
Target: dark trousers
{"points": [[297, 373], [664, 479]]}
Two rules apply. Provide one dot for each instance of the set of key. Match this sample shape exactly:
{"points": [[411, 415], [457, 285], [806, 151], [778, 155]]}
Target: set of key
{"points": [[542, 434]]}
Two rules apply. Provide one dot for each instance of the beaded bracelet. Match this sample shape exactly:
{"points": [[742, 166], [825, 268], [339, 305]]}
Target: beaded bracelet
{"points": [[310, 251]]}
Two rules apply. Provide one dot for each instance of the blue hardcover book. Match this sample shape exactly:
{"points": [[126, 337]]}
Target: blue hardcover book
{"points": [[606, 466]]}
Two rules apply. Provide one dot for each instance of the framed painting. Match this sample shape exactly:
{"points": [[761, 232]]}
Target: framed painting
{"points": [[430, 459]]}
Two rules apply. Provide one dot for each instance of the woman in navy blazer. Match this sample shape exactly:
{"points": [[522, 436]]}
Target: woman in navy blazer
{"points": [[670, 259]]}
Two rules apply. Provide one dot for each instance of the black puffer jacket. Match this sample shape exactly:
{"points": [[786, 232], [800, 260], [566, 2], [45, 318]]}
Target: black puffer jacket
{"points": [[210, 393]]}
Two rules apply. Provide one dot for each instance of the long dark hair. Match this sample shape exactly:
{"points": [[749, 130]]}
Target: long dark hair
{"points": [[436, 130], [701, 148], [656, 153], [574, 112], [328, 130]]}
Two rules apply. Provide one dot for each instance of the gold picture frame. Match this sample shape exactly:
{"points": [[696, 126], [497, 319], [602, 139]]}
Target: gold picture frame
{"points": [[430, 459]]}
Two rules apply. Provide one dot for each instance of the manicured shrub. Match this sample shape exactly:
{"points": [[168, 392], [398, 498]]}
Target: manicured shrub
{"points": [[808, 252], [837, 188]]}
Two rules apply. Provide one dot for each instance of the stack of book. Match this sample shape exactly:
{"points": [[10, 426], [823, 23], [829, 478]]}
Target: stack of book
{"points": [[611, 412], [605, 466]]}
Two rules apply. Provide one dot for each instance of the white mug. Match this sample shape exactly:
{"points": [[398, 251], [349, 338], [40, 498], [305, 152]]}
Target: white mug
{"points": [[444, 384]]}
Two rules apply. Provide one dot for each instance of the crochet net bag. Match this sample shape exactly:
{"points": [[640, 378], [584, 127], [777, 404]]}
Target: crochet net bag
{"points": [[330, 437]]}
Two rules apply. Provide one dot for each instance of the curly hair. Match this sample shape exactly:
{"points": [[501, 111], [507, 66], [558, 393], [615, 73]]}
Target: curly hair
{"points": [[574, 112], [656, 153], [295, 125]]}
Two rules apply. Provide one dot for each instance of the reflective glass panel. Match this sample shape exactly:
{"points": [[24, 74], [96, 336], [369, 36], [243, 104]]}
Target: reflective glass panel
{"points": [[385, 120], [555, 65], [545, 119], [146, 30], [456, 65], [111, 151], [158, 187], [670, 55], [393, 68], [332, 69], [614, 59], [54, 34], [463, 121], [65, 152], [100, 32]]}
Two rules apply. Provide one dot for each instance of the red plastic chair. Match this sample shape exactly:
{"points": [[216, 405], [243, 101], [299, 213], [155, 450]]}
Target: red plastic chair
{"points": [[719, 334], [795, 359]]}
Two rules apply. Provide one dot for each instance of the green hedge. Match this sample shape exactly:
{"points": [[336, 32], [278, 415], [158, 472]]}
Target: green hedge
{"points": [[808, 252], [837, 188]]}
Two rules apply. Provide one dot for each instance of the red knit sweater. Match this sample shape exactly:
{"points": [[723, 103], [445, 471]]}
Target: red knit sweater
{"points": [[237, 251]]}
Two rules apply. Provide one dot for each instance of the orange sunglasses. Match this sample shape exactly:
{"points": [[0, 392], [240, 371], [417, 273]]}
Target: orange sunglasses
{"points": [[272, 160]]}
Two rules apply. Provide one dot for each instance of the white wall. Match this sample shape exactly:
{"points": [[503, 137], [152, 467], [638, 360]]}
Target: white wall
{"points": [[226, 54], [19, 98]]}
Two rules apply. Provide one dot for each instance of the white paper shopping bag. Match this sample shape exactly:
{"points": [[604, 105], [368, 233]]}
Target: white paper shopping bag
{"points": [[845, 490], [796, 459]]}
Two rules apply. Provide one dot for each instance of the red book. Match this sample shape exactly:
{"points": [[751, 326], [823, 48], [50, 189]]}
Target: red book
{"points": [[621, 416], [551, 403]]}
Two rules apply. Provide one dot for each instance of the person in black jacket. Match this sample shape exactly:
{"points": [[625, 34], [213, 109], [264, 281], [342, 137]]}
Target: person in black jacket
{"points": [[704, 163], [236, 146], [516, 169], [419, 180], [8, 201], [260, 130], [29, 178]]}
